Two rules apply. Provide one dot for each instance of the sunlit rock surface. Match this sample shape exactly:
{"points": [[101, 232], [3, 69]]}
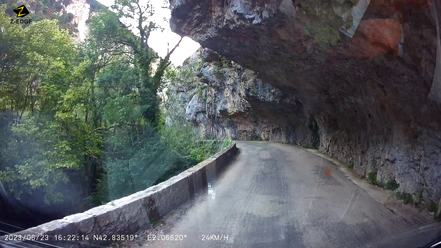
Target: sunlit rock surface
{"points": [[81, 11], [363, 99], [228, 100]]}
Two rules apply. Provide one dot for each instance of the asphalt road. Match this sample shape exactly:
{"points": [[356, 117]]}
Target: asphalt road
{"points": [[276, 195]]}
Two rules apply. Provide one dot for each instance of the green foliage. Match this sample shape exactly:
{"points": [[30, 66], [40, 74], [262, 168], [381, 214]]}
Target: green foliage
{"points": [[113, 37], [39, 153], [35, 63], [40, 148], [89, 113], [185, 76], [184, 143], [372, 179], [392, 185], [134, 165], [101, 194], [224, 63]]}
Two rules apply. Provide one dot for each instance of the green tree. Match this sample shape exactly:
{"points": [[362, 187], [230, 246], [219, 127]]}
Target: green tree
{"points": [[84, 119], [37, 59], [112, 35], [46, 143]]}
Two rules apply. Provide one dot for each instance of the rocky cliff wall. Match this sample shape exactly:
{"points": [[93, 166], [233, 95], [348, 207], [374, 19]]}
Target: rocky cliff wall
{"points": [[226, 100], [73, 15], [362, 99]]}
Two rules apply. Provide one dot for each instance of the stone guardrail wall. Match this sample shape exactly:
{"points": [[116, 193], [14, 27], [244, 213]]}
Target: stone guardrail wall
{"points": [[128, 215]]}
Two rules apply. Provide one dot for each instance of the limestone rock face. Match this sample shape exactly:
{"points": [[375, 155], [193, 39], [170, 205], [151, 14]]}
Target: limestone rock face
{"points": [[296, 78], [81, 11], [228, 100]]}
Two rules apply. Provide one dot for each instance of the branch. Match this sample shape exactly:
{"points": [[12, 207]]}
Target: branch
{"points": [[103, 129], [174, 48], [141, 29], [165, 62]]}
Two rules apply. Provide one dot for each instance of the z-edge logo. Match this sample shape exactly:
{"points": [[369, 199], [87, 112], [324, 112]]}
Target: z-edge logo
{"points": [[21, 11]]}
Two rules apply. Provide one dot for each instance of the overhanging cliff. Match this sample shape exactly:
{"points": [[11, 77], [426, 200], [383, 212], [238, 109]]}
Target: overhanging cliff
{"points": [[365, 97]]}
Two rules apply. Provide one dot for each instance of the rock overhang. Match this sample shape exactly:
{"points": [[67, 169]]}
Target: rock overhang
{"points": [[367, 93]]}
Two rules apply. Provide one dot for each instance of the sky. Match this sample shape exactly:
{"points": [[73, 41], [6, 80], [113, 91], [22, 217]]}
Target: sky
{"points": [[160, 41]]}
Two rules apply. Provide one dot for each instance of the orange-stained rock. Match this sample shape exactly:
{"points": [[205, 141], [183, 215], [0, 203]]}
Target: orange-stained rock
{"points": [[376, 37]]}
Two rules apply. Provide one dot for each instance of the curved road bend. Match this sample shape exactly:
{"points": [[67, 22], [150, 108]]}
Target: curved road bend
{"points": [[276, 195]]}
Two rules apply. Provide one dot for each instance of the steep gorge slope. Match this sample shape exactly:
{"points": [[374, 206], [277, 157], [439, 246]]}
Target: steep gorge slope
{"points": [[71, 14], [363, 99]]}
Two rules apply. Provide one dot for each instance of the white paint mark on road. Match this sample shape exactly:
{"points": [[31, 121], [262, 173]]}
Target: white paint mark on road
{"points": [[349, 204]]}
